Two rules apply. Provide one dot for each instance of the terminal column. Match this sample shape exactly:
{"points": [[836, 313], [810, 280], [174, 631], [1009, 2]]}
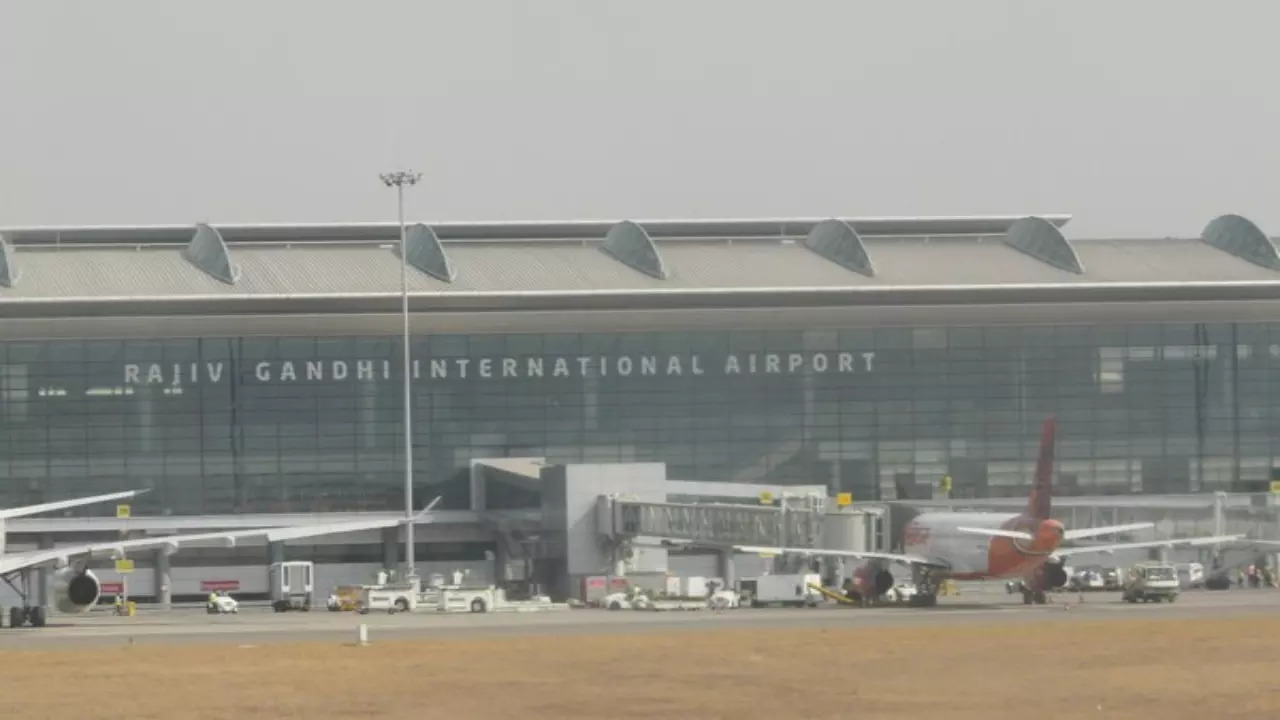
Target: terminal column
{"points": [[164, 589]]}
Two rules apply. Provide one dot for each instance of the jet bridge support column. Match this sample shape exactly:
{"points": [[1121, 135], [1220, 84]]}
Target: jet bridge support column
{"points": [[44, 577], [275, 552], [725, 567], [164, 588], [390, 548]]}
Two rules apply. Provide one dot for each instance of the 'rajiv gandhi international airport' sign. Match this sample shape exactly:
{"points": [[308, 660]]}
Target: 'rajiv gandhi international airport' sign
{"points": [[487, 368]]}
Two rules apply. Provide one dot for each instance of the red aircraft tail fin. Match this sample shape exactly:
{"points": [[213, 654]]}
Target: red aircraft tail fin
{"points": [[1040, 504]]}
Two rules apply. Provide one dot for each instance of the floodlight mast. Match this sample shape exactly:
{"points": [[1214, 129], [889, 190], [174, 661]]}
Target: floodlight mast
{"points": [[400, 180]]}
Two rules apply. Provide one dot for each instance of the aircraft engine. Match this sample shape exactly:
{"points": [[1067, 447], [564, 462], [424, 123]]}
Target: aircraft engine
{"points": [[1054, 575], [75, 592], [872, 581]]}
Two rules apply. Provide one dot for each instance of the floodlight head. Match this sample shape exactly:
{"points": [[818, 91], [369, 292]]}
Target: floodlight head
{"points": [[400, 177]]}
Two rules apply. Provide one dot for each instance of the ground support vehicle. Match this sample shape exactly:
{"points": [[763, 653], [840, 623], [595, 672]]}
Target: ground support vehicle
{"points": [[1151, 582], [292, 585]]}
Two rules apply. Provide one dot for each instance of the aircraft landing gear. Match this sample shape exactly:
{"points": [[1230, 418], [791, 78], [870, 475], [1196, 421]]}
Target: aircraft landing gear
{"points": [[1034, 597], [26, 613], [927, 587]]}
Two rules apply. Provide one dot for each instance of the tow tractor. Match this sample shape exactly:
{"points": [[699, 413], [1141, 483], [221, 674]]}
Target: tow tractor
{"points": [[220, 603]]}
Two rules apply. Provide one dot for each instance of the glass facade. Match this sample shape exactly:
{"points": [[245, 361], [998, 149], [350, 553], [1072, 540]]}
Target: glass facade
{"points": [[227, 425]]}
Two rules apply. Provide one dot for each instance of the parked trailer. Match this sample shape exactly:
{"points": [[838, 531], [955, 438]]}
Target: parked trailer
{"points": [[292, 585], [490, 599]]}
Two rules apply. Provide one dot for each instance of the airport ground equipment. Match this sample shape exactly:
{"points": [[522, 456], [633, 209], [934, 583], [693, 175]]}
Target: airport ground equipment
{"points": [[222, 604], [1151, 582], [292, 585], [794, 589]]}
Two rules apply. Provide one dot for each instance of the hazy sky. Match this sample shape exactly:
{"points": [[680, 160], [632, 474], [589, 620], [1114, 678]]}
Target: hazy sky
{"points": [[1138, 117]]}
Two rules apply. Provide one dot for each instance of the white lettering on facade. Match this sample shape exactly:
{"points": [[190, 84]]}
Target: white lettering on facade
{"points": [[490, 368]]}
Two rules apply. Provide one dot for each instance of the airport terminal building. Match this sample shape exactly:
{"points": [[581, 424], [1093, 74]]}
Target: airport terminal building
{"points": [[255, 370]]}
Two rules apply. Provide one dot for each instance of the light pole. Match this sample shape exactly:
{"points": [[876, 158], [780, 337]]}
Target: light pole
{"points": [[399, 180]]}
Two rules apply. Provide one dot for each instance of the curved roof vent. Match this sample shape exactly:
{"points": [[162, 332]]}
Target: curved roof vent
{"points": [[425, 253], [1239, 236], [208, 251], [837, 241], [631, 244], [1043, 241], [8, 264]]}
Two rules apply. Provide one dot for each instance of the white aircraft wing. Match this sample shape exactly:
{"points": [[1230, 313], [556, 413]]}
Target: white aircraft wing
{"points": [[997, 532], [1105, 530], [53, 557], [1169, 543], [7, 513], [822, 552]]}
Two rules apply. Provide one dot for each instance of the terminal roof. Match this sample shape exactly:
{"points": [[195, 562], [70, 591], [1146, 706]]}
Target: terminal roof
{"points": [[861, 259]]}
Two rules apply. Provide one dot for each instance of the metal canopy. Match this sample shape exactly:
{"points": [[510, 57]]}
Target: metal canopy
{"points": [[425, 253], [1241, 237], [838, 242], [629, 243], [209, 252], [8, 264], [1043, 241]]}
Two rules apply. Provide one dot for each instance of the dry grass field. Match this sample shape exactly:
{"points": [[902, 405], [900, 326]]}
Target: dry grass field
{"points": [[1107, 669]]}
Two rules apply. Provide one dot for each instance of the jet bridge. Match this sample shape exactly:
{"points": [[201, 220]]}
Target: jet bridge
{"points": [[795, 522]]}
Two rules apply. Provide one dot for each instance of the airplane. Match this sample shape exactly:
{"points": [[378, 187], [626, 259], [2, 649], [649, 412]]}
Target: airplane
{"points": [[75, 587], [940, 546]]}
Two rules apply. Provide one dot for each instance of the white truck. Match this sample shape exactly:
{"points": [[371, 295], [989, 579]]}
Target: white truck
{"points": [[795, 590], [292, 585], [1151, 582]]}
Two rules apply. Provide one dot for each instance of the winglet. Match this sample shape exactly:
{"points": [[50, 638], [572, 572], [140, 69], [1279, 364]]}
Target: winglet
{"points": [[421, 513], [1040, 503]]}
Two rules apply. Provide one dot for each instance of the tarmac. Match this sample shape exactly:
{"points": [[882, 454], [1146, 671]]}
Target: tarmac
{"points": [[259, 625]]}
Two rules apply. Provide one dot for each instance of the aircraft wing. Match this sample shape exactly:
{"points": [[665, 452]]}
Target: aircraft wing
{"points": [[1170, 543], [7, 513], [54, 557], [1082, 533], [997, 532], [821, 552]]}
